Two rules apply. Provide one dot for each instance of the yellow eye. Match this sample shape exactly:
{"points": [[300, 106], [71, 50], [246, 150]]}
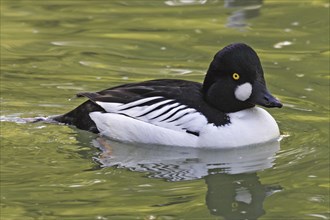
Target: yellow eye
{"points": [[235, 76]]}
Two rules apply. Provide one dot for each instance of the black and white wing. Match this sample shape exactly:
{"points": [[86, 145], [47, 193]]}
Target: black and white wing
{"points": [[155, 102], [167, 113]]}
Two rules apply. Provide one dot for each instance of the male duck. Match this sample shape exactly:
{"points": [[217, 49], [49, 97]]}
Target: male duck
{"points": [[220, 112]]}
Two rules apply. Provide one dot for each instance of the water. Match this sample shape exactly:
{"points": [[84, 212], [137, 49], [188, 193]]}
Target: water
{"points": [[51, 50]]}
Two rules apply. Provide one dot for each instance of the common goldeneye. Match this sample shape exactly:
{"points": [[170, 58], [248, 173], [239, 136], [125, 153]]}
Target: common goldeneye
{"points": [[221, 112]]}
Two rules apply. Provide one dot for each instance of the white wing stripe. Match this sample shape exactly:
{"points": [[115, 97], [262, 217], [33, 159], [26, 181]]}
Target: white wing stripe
{"points": [[185, 119], [164, 113], [153, 116], [193, 122], [138, 102], [168, 114], [109, 106], [144, 112], [180, 113], [154, 106]]}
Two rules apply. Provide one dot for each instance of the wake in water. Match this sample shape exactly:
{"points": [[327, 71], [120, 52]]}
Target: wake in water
{"points": [[19, 120]]}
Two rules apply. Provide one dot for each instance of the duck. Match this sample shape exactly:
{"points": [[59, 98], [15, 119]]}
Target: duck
{"points": [[221, 112]]}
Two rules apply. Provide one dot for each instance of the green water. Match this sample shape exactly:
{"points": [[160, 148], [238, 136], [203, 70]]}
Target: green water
{"points": [[51, 50]]}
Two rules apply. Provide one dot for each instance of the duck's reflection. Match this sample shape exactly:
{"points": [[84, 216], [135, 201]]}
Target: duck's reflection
{"points": [[234, 190], [243, 10], [238, 196]]}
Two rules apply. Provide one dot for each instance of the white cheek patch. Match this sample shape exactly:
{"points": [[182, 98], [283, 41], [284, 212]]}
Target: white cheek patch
{"points": [[243, 92]]}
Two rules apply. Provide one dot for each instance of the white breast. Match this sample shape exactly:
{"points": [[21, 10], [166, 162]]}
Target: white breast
{"points": [[249, 126]]}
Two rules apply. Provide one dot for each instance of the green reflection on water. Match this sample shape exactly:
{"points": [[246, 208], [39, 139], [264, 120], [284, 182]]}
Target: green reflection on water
{"points": [[51, 50]]}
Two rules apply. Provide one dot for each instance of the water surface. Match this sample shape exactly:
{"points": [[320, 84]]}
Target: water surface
{"points": [[51, 50]]}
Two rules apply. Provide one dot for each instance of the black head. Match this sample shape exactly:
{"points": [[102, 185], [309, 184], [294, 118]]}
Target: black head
{"points": [[235, 80]]}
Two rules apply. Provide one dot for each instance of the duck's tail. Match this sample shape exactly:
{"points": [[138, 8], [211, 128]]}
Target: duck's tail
{"points": [[79, 117]]}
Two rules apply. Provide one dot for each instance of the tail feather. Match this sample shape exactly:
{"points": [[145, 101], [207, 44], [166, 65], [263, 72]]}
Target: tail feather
{"points": [[79, 117]]}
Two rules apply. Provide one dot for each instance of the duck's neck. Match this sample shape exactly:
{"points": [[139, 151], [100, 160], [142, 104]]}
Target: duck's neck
{"points": [[209, 79]]}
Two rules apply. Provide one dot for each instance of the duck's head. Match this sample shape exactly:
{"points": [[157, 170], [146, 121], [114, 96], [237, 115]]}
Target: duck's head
{"points": [[235, 80]]}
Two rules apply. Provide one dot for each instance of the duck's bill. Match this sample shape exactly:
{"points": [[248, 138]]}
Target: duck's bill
{"points": [[261, 96]]}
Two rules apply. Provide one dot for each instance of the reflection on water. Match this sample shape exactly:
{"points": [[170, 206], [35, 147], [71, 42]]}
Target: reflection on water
{"points": [[233, 187], [182, 163], [244, 10], [184, 2], [238, 196]]}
